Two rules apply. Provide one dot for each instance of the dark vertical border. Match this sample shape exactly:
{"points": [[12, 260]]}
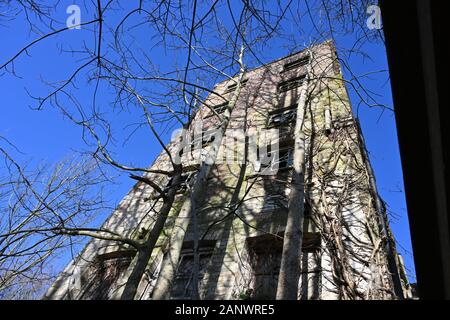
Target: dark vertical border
{"points": [[416, 35]]}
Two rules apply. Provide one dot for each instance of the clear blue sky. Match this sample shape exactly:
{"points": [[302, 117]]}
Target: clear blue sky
{"points": [[46, 136]]}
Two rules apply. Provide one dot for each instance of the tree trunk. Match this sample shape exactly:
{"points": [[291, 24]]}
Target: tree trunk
{"points": [[288, 277], [171, 258], [143, 255]]}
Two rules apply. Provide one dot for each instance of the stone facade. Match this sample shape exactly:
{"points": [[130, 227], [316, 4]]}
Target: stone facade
{"points": [[347, 250]]}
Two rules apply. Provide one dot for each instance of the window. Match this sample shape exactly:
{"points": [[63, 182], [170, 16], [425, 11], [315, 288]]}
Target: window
{"points": [[280, 201], [282, 116], [296, 64], [188, 173], [265, 254], [265, 260], [274, 201], [219, 109], [286, 157], [233, 86], [284, 160], [184, 180], [311, 241], [104, 274], [290, 84], [206, 138], [183, 285]]}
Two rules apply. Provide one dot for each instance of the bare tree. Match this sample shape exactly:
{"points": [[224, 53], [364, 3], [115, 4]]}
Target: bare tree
{"points": [[159, 97], [41, 206]]}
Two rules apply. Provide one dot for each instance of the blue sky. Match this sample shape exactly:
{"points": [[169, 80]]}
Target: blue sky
{"points": [[45, 136]]}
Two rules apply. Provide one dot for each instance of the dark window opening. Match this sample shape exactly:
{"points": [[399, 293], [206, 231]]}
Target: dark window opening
{"points": [[265, 260], [291, 84], [233, 86], [104, 274], [296, 64], [311, 241], [206, 138], [184, 180], [265, 254], [283, 157], [274, 202], [282, 116], [183, 283], [218, 109]]}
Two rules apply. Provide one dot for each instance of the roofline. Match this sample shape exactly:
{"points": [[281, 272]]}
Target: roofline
{"points": [[329, 41]]}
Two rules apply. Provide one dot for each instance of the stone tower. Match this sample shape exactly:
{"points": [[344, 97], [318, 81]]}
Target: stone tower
{"points": [[347, 250]]}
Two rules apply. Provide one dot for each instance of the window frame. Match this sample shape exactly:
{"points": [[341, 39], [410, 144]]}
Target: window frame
{"points": [[289, 149], [289, 113], [291, 84], [98, 276], [294, 64], [207, 137], [206, 249], [217, 109], [230, 88]]}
